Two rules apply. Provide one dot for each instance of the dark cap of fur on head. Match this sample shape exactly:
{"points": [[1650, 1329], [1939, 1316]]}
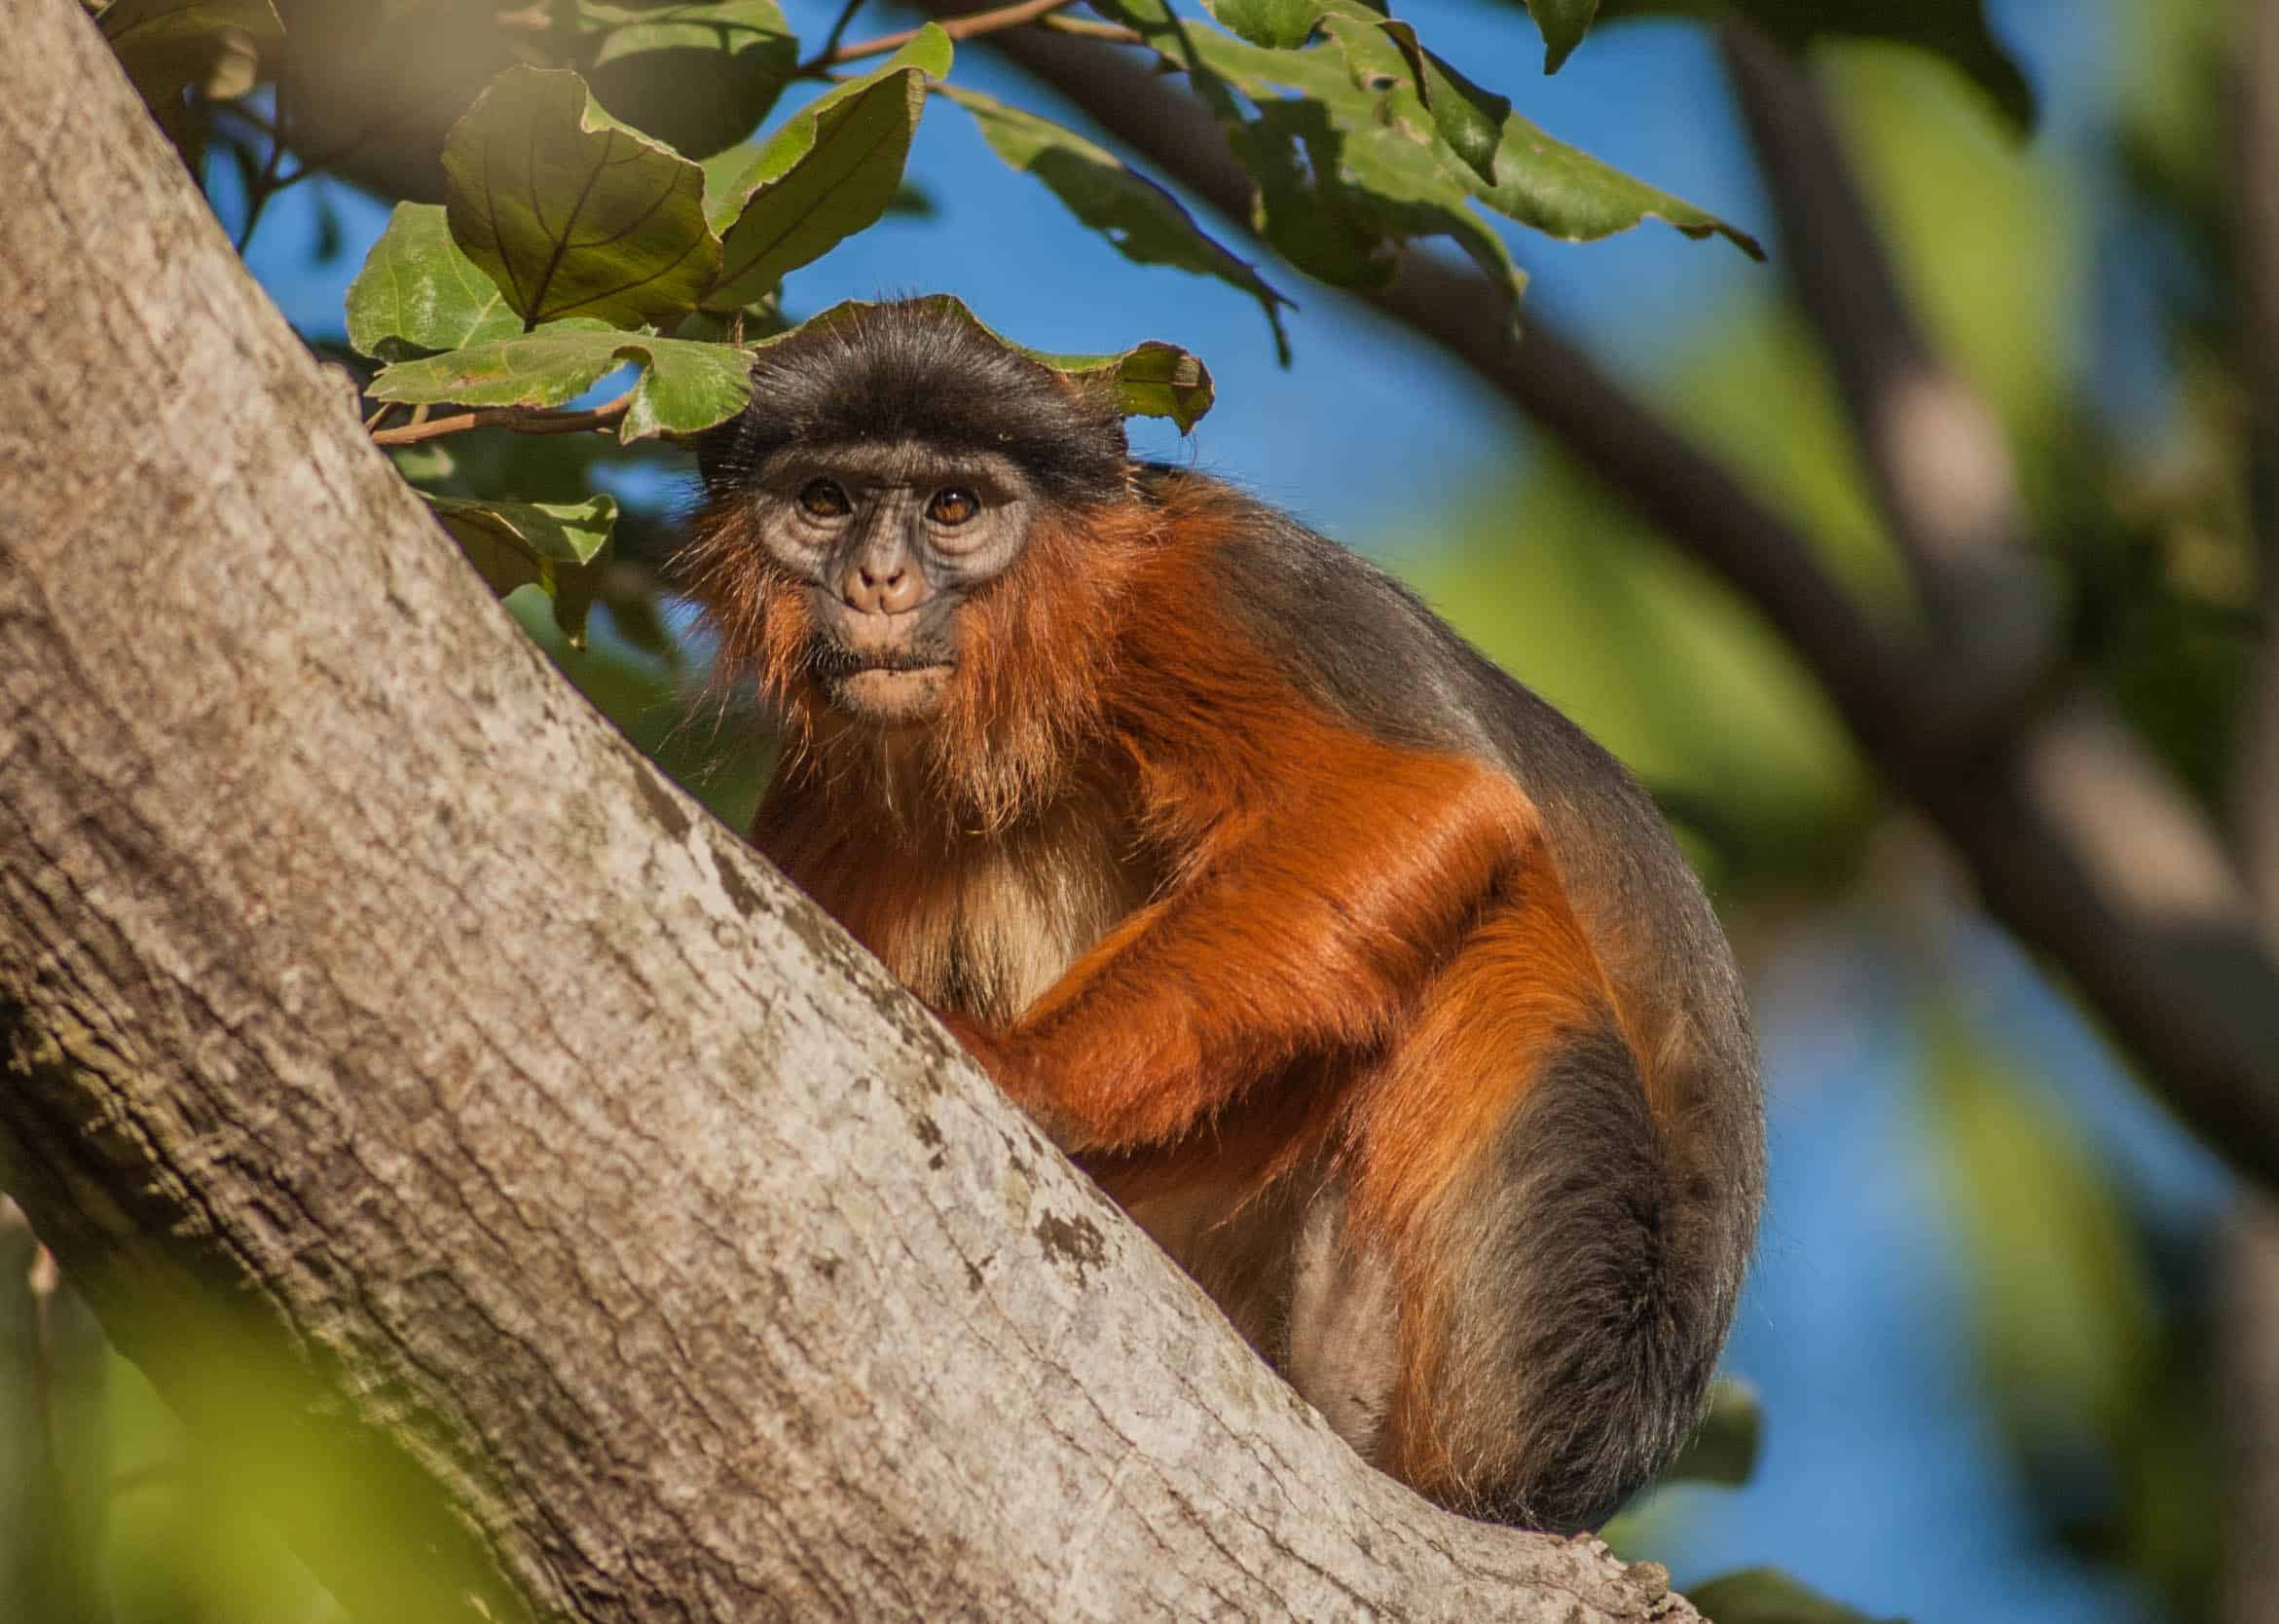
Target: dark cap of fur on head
{"points": [[922, 370]]}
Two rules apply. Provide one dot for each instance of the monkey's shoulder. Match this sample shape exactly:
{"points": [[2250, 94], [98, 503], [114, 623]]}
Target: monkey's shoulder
{"points": [[1364, 646]]}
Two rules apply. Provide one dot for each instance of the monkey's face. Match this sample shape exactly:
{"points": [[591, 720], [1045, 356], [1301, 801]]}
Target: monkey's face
{"points": [[888, 541]]}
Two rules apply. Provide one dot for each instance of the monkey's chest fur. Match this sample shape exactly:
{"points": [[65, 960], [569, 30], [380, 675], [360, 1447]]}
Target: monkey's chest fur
{"points": [[977, 923]]}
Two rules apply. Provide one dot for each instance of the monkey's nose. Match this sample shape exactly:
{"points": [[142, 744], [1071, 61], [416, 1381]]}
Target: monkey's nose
{"points": [[882, 591]]}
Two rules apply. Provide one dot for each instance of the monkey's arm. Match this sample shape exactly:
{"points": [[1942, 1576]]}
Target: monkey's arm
{"points": [[1300, 929]]}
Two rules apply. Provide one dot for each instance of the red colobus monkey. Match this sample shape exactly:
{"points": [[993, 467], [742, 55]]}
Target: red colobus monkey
{"points": [[1367, 983]]}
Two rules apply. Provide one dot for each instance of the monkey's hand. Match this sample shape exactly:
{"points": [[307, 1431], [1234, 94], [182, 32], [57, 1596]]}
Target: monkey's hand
{"points": [[1000, 1056]]}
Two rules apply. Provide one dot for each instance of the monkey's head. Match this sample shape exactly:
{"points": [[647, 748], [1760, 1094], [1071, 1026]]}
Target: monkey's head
{"points": [[895, 465]]}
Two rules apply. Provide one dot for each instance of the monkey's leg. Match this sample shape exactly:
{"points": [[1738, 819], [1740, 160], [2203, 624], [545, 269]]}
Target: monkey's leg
{"points": [[1557, 1332]]}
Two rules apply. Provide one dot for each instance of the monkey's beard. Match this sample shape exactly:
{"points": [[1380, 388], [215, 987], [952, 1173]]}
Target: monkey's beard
{"points": [[899, 687], [892, 695]]}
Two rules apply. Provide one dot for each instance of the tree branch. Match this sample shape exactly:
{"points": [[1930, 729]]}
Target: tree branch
{"points": [[563, 1170], [2256, 788], [1935, 453], [2082, 844], [962, 27], [2246, 1302]]}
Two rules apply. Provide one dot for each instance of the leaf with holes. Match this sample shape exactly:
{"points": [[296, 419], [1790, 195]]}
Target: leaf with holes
{"points": [[1382, 54], [726, 62], [167, 45], [683, 386], [1955, 29], [1340, 186], [1276, 25], [832, 169], [418, 293], [570, 212], [560, 548], [1562, 24], [1151, 379], [1143, 221]]}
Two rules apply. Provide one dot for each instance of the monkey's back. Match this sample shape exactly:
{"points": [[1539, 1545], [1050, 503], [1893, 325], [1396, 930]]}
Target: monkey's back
{"points": [[1364, 646]]}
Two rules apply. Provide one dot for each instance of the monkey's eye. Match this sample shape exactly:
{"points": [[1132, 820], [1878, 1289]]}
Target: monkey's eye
{"points": [[953, 505], [824, 499]]}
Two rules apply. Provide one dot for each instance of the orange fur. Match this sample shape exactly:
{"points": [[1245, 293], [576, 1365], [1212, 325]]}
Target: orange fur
{"points": [[1307, 882]]}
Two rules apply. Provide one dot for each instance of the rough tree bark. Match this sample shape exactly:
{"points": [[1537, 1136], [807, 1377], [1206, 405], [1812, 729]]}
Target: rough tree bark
{"points": [[558, 1164]]}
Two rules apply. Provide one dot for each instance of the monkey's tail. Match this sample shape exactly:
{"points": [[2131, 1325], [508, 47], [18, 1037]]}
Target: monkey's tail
{"points": [[1588, 1285]]}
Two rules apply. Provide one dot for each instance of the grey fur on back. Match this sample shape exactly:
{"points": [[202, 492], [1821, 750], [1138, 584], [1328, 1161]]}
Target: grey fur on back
{"points": [[1603, 1277]]}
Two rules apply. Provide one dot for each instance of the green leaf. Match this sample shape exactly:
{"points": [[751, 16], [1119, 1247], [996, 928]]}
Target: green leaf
{"points": [[1562, 24], [830, 171], [684, 387], [560, 548], [1151, 379], [1144, 221], [167, 45], [417, 292], [1541, 183], [571, 214], [1955, 29], [1338, 188], [1768, 1596], [1469, 119], [726, 62], [428, 462], [1276, 25], [1724, 1448], [1564, 192], [1382, 53], [1154, 380]]}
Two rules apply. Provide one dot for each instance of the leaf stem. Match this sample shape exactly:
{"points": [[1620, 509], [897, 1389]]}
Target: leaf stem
{"points": [[523, 420], [956, 28]]}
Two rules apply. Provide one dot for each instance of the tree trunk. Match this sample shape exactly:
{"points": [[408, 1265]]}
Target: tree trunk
{"points": [[441, 1107]]}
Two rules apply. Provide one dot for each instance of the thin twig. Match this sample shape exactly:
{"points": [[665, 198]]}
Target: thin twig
{"points": [[2256, 778], [839, 28], [957, 28], [1935, 453], [523, 420], [268, 186]]}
